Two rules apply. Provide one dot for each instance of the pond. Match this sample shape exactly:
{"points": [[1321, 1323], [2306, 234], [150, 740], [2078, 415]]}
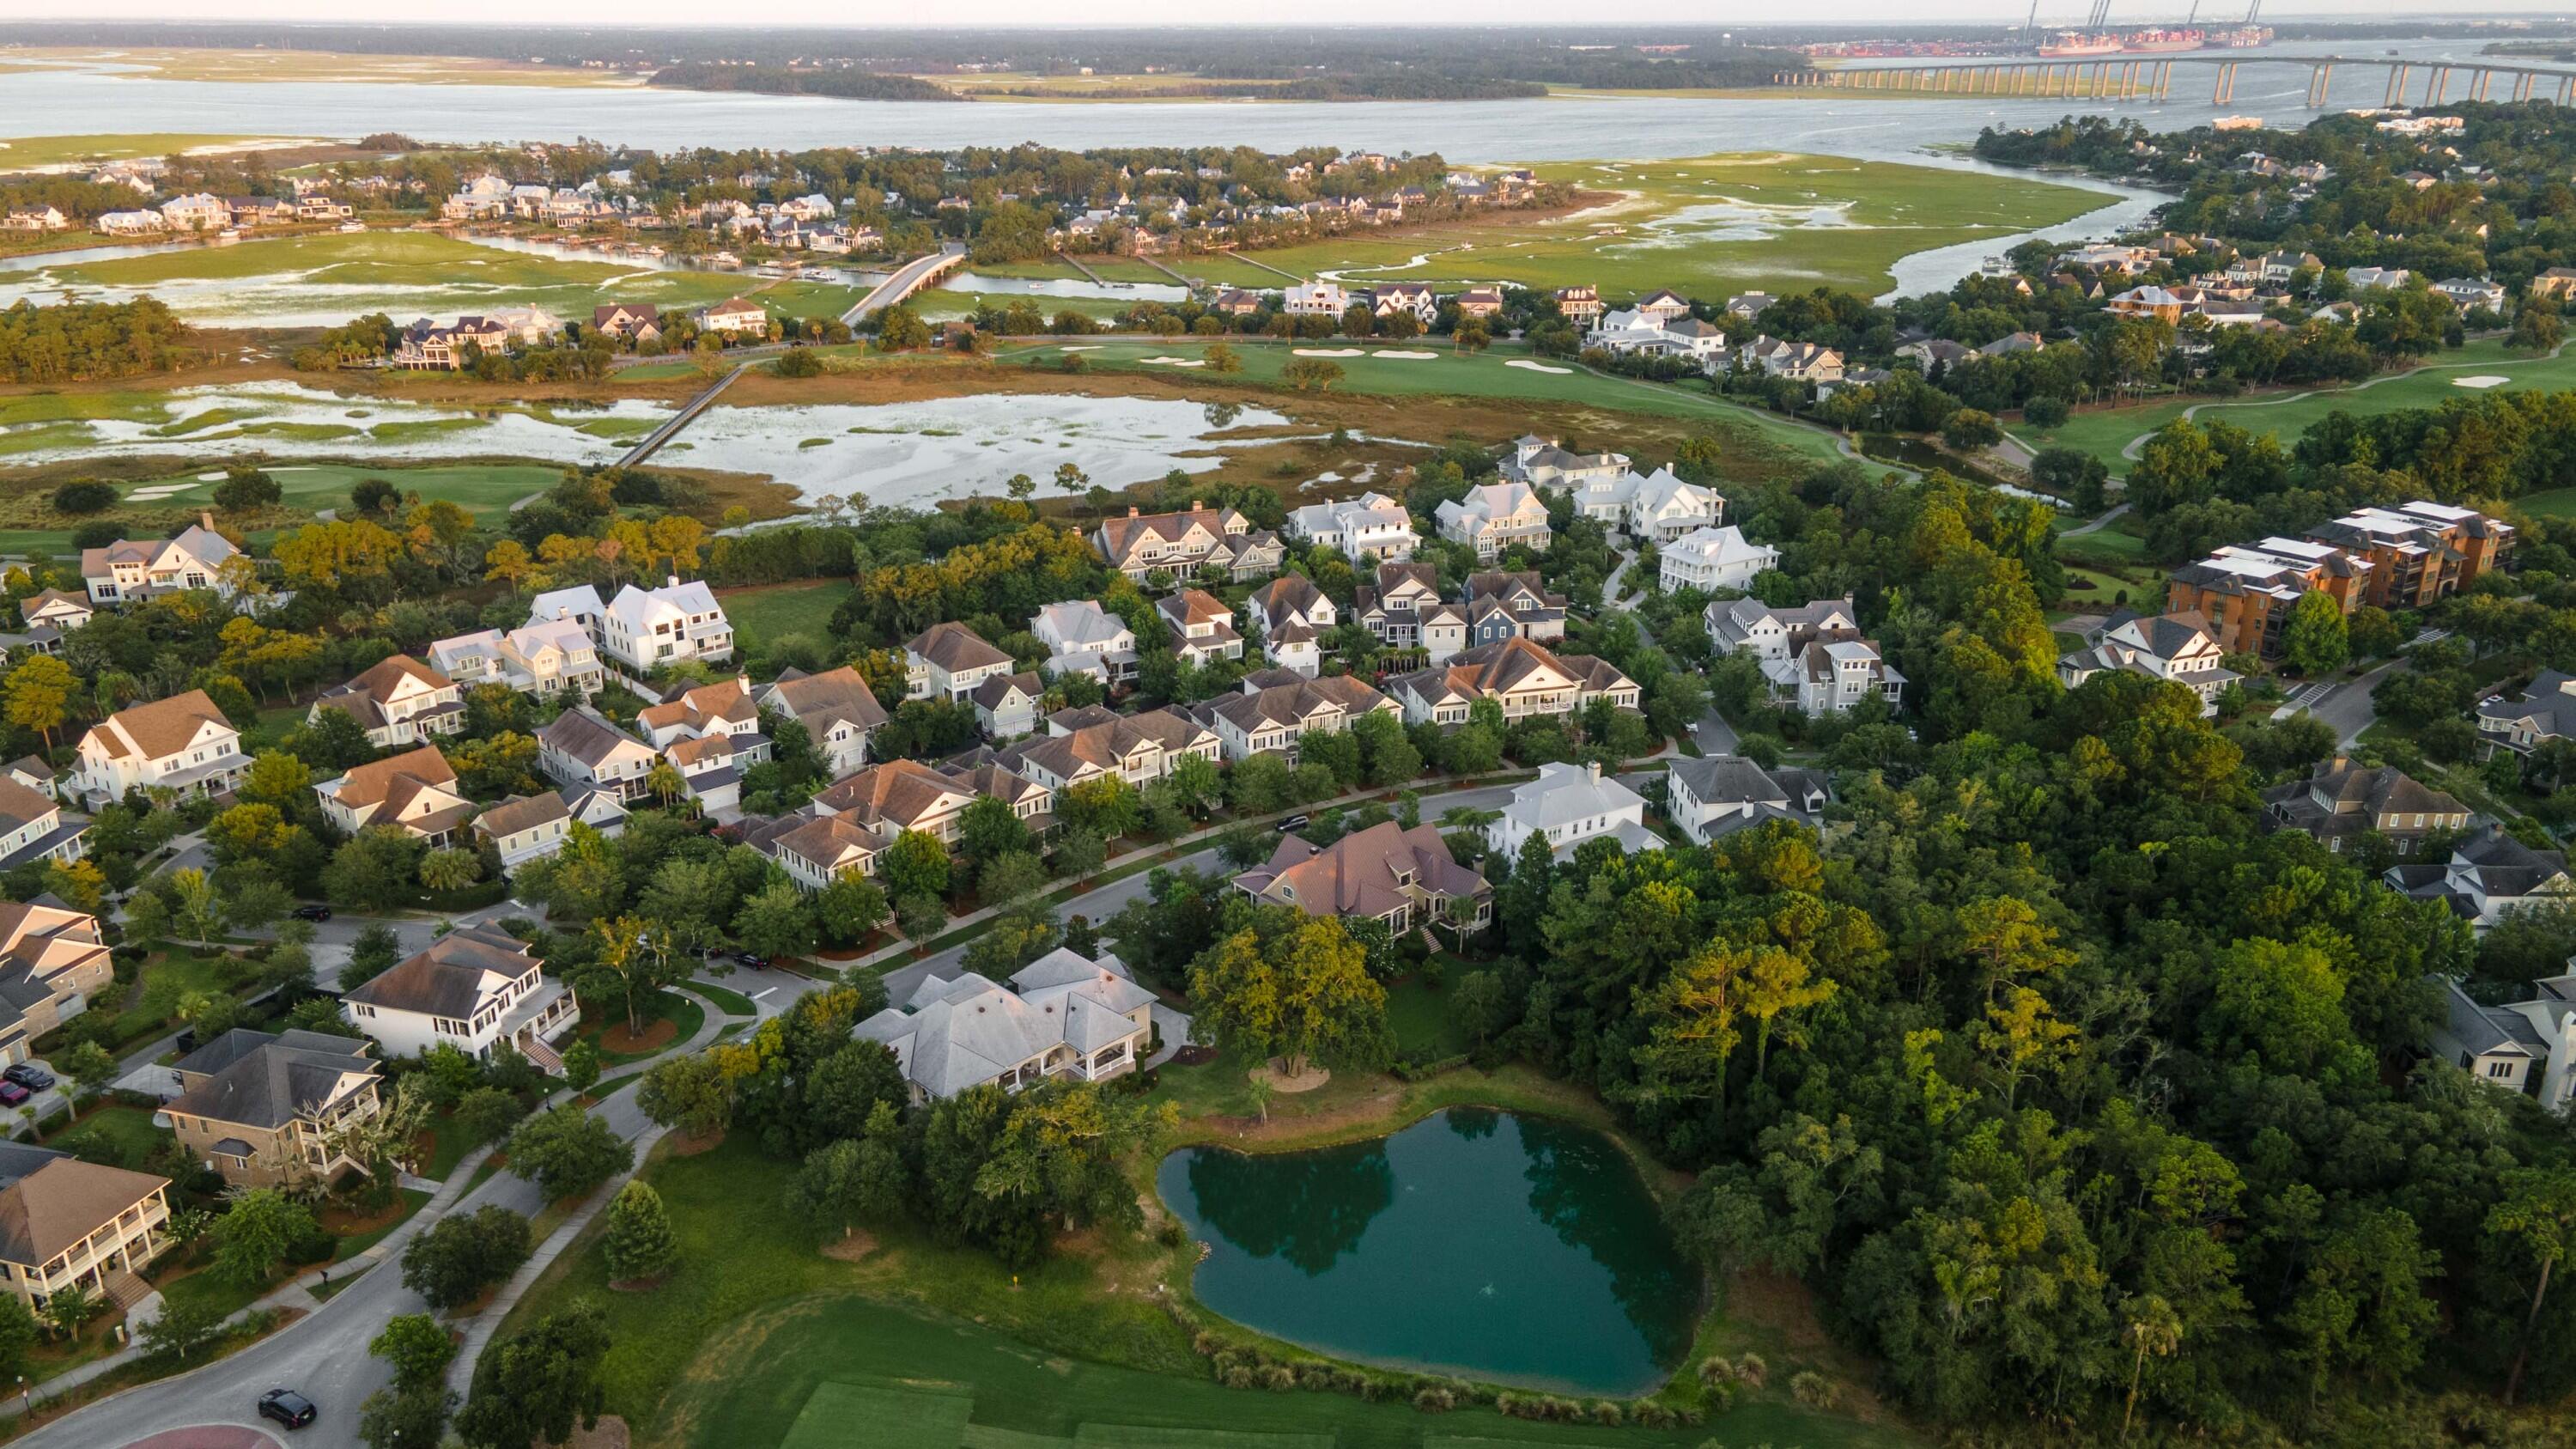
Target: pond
{"points": [[1478, 1243]]}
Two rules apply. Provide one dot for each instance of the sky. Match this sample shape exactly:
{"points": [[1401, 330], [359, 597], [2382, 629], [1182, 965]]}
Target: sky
{"points": [[972, 13]]}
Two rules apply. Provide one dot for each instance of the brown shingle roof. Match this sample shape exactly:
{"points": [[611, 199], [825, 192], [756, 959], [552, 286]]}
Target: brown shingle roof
{"points": [[379, 781], [819, 700], [897, 793], [64, 1201], [523, 812], [159, 728], [953, 647]]}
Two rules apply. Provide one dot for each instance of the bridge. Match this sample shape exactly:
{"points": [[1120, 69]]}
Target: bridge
{"points": [[2151, 78], [907, 279], [687, 414]]}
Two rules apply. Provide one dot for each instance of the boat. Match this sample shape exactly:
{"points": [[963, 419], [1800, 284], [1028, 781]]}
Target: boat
{"points": [[2069, 44], [2161, 42], [227, 237], [353, 225]]}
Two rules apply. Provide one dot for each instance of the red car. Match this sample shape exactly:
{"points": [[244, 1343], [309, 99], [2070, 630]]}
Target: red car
{"points": [[12, 1094]]}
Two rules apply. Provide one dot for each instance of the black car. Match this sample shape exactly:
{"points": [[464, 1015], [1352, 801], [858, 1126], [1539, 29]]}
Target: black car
{"points": [[30, 1076], [312, 913], [1294, 822], [755, 962], [287, 1407]]}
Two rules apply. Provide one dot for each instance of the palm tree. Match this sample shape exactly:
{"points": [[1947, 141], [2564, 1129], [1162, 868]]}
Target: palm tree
{"points": [[442, 871], [666, 781]]}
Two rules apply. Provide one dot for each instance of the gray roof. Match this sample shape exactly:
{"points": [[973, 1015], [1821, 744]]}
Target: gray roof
{"points": [[276, 1084], [2488, 1030], [2550, 704], [960, 1033]]}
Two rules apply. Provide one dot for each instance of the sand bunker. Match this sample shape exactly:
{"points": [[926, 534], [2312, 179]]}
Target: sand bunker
{"points": [[1525, 365], [1406, 356], [1328, 351], [1173, 361], [1080, 347], [2481, 382]]}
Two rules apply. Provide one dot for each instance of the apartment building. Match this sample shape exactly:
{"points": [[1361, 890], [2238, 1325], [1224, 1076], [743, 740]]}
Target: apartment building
{"points": [[2419, 552], [2246, 592]]}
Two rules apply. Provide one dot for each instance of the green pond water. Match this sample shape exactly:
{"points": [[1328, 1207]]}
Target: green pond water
{"points": [[1484, 1244]]}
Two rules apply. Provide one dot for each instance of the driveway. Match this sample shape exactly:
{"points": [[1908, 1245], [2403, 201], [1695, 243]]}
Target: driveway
{"points": [[1714, 735], [2346, 708]]}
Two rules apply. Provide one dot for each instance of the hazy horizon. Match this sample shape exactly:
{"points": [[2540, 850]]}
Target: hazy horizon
{"points": [[985, 14]]}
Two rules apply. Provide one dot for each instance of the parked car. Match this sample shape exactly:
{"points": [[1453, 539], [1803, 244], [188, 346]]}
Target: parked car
{"points": [[312, 913], [287, 1407], [1294, 822], [30, 1076], [746, 958], [12, 1094]]}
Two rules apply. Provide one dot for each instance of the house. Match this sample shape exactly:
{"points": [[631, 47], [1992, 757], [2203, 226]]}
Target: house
{"points": [[1520, 676], [1511, 605], [1082, 745], [523, 828], [646, 629], [1389, 298], [2471, 294], [1403, 877], [53, 961], [1236, 302], [1832, 678], [2489, 876], [581, 751], [1639, 333], [1717, 794], [1006, 705], [1568, 805], [141, 568], [131, 223], [1316, 299], [181, 743], [40, 218], [837, 709], [817, 850], [2556, 284], [1931, 353], [1662, 508], [1084, 638], [2012, 343], [1202, 626], [542, 658], [68, 1224], [398, 701], [735, 318], [1664, 306], [1369, 527], [1797, 361], [947, 661], [1403, 610], [1480, 301], [272, 1109], [627, 321], [1748, 305], [2546, 710], [196, 212], [699, 711], [474, 989], [1064, 1015], [1579, 305], [32, 827], [2362, 279], [1294, 616], [1775, 636], [1269, 718], [2246, 592], [413, 792], [1183, 544], [1599, 484], [2523, 1046], [1495, 517], [2421, 551], [2177, 647], [2340, 802], [1715, 558]]}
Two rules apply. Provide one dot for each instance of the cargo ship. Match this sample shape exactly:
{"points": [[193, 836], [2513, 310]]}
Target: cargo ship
{"points": [[2243, 37], [2160, 42], [2071, 44]]}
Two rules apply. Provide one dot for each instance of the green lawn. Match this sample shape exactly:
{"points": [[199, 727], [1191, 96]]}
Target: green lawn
{"points": [[130, 1128], [754, 1323], [485, 490], [1455, 374], [1424, 1025], [169, 979], [2107, 433], [1705, 226], [356, 1243], [733, 1002], [2555, 503], [762, 616], [684, 1013]]}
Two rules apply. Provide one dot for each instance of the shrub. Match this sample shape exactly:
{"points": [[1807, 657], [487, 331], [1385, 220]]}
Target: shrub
{"points": [[1609, 1413], [1279, 1378], [1752, 1369], [98, 534], [1434, 1401], [2045, 412], [1237, 1377], [84, 495], [1814, 1390]]}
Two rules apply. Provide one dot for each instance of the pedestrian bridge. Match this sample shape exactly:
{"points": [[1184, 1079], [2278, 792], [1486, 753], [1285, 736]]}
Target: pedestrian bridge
{"points": [[2151, 78]]}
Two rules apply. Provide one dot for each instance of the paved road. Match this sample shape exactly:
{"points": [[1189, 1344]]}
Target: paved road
{"points": [[1714, 735], [2347, 707]]}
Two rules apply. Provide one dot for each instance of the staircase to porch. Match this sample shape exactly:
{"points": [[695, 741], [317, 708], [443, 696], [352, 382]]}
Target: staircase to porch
{"points": [[123, 1289], [546, 1058]]}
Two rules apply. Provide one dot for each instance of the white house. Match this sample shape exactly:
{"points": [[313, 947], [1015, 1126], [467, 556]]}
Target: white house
{"points": [[1369, 527], [1715, 558], [1769, 634], [1316, 299], [1084, 638], [2178, 647], [1403, 609], [1269, 718], [1662, 507], [181, 743], [1639, 333], [1201, 626], [52, 614], [1065, 1015], [735, 318], [414, 792], [1833, 677], [948, 661], [1598, 483], [542, 658], [197, 212], [1294, 616], [32, 826], [1567, 805], [2489, 876], [648, 629], [398, 701], [473, 989], [1494, 517], [140, 568], [837, 708], [1710, 796], [580, 750]]}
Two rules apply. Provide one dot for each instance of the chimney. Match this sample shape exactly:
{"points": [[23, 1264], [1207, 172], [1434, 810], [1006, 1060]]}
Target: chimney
{"points": [[1194, 505], [1133, 510], [670, 581], [1593, 770], [206, 521]]}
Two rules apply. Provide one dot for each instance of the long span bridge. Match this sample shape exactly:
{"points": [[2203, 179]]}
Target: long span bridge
{"points": [[2149, 78]]}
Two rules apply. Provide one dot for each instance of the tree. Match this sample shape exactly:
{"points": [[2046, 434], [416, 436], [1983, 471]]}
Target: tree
{"points": [[2152, 1329], [900, 329], [567, 1152], [915, 865], [1305, 991], [486, 1113], [417, 1349], [2315, 640], [195, 907], [374, 869], [18, 1333], [625, 964], [776, 921], [184, 1327], [398, 1418], [452, 1261], [1968, 430], [638, 1241], [581, 1066], [852, 905], [89, 1066], [1311, 374], [449, 870], [2539, 1214], [68, 1310], [256, 1234], [38, 695], [687, 1092], [537, 1384]]}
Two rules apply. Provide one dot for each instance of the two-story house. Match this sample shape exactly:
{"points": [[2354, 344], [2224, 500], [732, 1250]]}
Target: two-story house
{"points": [[2489, 876], [1220, 542], [1522, 677], [1064, 1015], [67, 1224], [398, 701], [581, 751], [546, 657], [1662, 507], [1495, 517], [140, 568], [414, 792], [1772, 635], [523, 828], [1717, 794], [2177, 647], [1084, 638], [1006, 705], [1294, 616], [1715, 558], [51, 615], [2546, 710], [1091, 743], [1836, 677], [52, 962], [1566, 806], [1599, 485], [1404, 610], [182, 743], [1405, 878], [273, 1109], [646, 629], [1368, 528], [1201, 625], [33, 827], [837, 709], [1269, 716], [2340, 802], [474, 989], [1502, 606], [947, 661]]}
